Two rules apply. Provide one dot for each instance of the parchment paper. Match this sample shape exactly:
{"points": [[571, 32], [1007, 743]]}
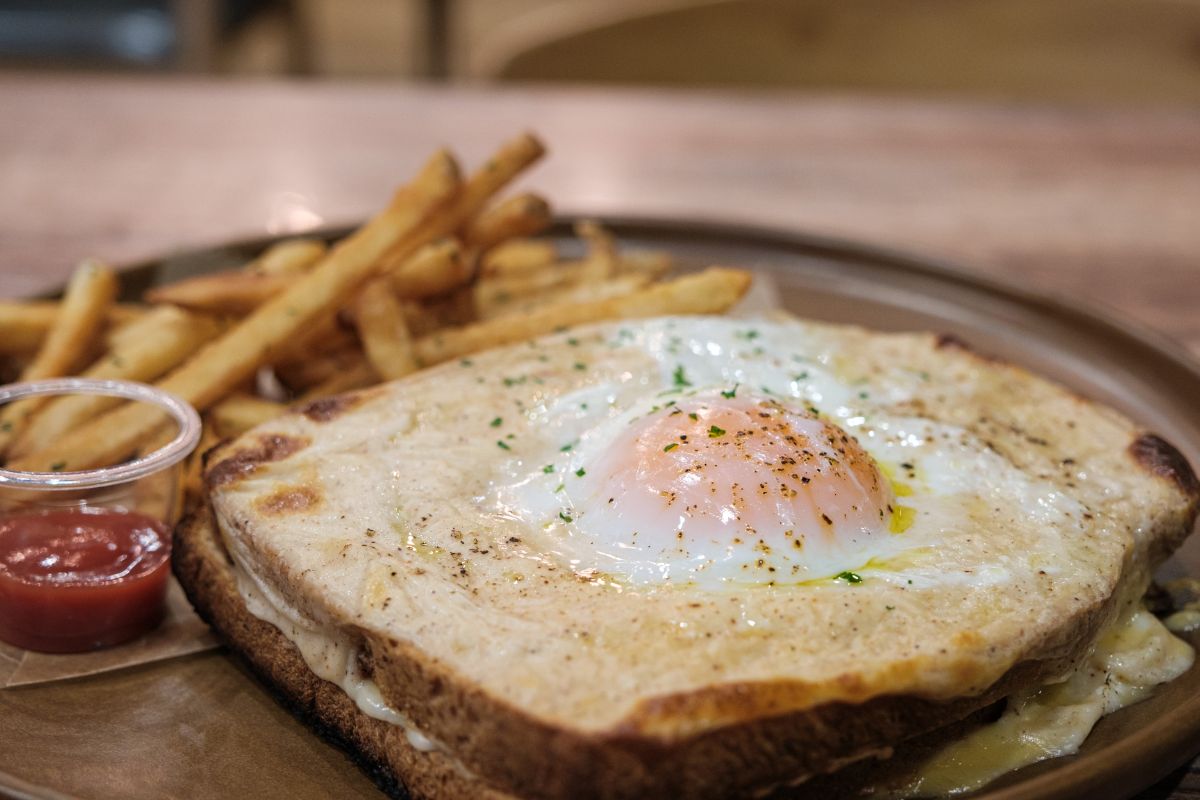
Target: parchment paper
{"points": [[181, 633]]}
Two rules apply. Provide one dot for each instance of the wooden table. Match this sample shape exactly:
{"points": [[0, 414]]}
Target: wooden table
{"points": [[1099, 205], [1103, 205]]}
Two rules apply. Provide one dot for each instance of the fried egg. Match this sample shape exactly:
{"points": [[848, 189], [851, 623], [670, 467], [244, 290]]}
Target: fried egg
{"points": [[746, 457], [735, 525]]}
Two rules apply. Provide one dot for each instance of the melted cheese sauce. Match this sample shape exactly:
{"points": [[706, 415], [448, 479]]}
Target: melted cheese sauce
{"points": [[1185, 597], [330, 656], [1131, 657]]}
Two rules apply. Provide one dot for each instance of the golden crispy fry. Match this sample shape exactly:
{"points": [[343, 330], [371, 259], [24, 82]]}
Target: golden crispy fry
{"points": [[517, 257], [303, 373], [429, 316], [384, 334], [192, 483], [709, 292], [522, 215], [601, 261], [85, 305], [359, 376], [243, 290], [493, 296], [508, 162], [329, 334], [289, 257], [24, 324], [411, 220], [654, 263], [584, 292], [240, 412], [436, 269], [148, 348], [228, 292]]}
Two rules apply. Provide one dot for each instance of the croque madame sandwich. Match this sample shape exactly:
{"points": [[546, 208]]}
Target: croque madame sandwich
{"points": [[690, 557]]}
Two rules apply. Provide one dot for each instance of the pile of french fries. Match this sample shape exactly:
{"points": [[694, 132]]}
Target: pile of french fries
{"points": [[445, 270]]}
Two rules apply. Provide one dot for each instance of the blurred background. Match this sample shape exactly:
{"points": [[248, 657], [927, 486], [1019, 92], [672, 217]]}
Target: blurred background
{"points": [[1129, 52]]}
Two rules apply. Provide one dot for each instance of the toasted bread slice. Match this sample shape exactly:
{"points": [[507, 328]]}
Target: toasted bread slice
{"points": [[470, 684]]}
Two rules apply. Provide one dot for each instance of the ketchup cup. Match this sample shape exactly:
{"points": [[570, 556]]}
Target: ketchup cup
{"points": [[85, 556]]}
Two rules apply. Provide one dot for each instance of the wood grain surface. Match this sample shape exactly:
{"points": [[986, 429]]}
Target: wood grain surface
{"points": [[1102, 205]]}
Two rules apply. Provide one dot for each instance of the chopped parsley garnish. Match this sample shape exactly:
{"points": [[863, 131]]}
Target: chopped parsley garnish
{"points": [[565, 517], [714, 432], [747, 335], [573, 342], [732, 392], [693, 416], [579, 365], [502, 445], [515, 381], [566, 448], [559, 488], [6, 427], [579, 473], [548, 469], [890, 608], [497, 422], [863, 395], [58, 466], [803, 376], [681, 377], [670, 447], [466, 362], [849, 577]]}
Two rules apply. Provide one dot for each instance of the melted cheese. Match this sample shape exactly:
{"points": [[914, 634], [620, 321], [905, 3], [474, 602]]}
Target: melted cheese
{"points": [[1185, 597], [329, 655], [1131, 657]]}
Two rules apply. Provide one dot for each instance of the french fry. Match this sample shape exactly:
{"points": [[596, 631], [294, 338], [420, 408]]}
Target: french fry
{"points": [[654, 263], [326, 335], [584, 292], [415, 216], [303, 373], [492, 296], [24, 324], [385, 337], [508, 162], [90, 292], [192, 483], [243, 290], [709, 292], [359, 376], [289, 257], [149, 347], [429, 316], [436, 269], [522, 215], [240, 412], [601, 260], [228, 292], [517, 257]]}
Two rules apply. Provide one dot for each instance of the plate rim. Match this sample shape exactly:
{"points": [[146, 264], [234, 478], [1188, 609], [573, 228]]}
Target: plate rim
{"points": [[1073, 778]]}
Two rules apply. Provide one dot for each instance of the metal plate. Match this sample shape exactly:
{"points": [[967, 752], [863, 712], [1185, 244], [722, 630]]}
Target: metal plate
{"points": [[200, 727]]}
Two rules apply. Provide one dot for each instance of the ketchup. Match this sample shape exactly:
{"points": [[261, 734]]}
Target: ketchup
{"points": [[80, 579]]}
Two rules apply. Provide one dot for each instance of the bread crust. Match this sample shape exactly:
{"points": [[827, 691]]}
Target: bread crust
{"points": [[380, 749], [531, 759], [722, 740]]}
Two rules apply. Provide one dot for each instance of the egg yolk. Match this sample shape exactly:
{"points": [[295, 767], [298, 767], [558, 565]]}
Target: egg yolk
{"points": [[747, 472]]}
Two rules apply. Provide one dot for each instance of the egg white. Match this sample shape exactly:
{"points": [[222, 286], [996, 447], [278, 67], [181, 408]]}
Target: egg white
{"points": [[944, 478]]}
